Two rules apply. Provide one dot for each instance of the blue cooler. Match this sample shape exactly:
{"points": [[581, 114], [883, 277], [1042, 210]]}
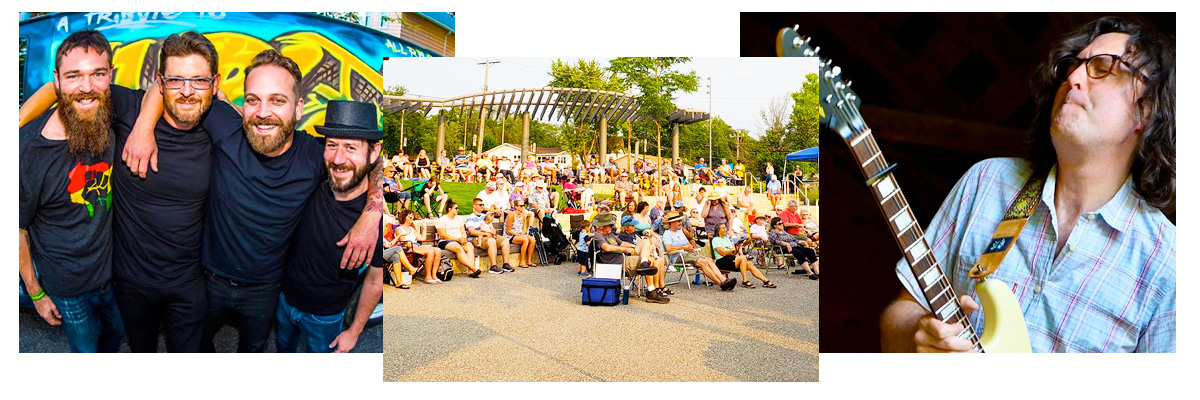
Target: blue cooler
{"points": [[601, 292]]}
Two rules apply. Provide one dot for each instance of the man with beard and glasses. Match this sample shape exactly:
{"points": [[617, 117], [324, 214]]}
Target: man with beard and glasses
{"points": [[66, 158], [315, 288], [159, 218], [1094, 267], [263, 171]]}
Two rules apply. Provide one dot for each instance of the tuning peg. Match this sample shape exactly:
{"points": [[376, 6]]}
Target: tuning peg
{"points": [[817, 50], [851, 97], [829, 98], [837, 71], [809, 53], [848, 83], [796, 28], [839, 86], [796, 42]]}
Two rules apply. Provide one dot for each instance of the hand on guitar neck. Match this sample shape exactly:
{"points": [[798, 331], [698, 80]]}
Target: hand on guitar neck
{"points": [[908, 327]]}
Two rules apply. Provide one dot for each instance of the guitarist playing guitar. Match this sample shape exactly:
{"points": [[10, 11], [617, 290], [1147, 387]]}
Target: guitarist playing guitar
{"points": [[1094, 270]]}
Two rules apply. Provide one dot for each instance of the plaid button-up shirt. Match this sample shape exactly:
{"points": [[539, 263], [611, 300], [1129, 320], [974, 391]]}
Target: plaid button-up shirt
{"points": [[1110, 289]]}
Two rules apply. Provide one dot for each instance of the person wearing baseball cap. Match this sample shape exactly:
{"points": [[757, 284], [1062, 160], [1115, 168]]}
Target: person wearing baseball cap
{"points": [[315, 289]]}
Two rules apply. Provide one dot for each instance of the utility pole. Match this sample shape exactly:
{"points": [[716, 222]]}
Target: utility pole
{"points": [[487, 65], [739, 146], [710, 157]]}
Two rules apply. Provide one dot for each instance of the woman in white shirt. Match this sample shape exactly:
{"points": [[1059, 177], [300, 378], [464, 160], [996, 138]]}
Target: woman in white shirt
{"points": [[452, 235]]}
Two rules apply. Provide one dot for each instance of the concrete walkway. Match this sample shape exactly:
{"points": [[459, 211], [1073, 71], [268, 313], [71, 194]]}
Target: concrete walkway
{"points": [[530, 326]]}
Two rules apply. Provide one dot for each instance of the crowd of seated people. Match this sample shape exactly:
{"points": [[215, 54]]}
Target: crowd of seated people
{"points": [[653, 228]]}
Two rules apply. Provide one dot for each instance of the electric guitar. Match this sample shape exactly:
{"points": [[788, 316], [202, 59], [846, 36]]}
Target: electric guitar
{"points": [[1006, 330]]}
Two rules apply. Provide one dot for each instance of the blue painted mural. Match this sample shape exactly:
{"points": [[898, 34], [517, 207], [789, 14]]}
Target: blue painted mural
{"points": [[338, 60]]}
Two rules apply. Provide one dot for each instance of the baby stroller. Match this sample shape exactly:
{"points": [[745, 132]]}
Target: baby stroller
{"points": [[559, 245]]}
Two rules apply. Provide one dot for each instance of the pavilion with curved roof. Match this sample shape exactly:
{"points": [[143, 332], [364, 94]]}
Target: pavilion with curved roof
{"points": [[545, 104]]}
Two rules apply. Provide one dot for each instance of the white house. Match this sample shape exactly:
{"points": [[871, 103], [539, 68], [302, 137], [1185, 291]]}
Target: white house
{"points": [[561, 157]]}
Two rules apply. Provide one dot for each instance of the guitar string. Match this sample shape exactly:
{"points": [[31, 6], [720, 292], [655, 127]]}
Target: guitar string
{"points": [[879, 163]]}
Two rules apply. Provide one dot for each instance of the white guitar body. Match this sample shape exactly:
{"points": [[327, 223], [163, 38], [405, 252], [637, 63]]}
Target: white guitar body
{"points": [[1002, 318]]}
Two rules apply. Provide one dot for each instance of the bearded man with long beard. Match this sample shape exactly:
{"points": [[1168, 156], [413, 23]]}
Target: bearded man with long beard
{"points": [[66, 158], [315, 288]]}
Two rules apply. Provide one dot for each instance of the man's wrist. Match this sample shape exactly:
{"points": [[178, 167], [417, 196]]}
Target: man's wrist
{"points": [[41, 294]]}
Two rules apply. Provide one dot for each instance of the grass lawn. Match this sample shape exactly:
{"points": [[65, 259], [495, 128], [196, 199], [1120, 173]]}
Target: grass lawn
{"points": [[463, 193]]}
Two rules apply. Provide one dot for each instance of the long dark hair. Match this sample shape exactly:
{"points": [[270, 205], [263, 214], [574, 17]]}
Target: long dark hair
{"points": [[1154, 56]]}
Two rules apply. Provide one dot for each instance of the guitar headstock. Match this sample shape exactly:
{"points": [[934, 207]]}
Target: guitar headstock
{"points": [[839, 104]]}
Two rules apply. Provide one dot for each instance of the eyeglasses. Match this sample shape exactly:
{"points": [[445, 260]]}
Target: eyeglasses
{"points": [[1098, 66], [176, 82]]}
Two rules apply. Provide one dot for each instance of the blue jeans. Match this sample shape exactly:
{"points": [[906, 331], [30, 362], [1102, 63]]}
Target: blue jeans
{"points": [[92, 321], [292, 324]]}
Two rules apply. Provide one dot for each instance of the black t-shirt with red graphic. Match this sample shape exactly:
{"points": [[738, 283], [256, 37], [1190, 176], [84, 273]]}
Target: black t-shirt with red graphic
{"points": [[66, 204]]}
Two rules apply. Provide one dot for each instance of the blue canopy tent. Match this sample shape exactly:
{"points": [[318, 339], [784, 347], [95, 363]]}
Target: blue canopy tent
{"points": [[811, 154]]}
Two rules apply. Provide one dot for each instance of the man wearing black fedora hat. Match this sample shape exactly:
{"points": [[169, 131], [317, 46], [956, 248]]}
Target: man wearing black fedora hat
{"points": [[315, 288]]}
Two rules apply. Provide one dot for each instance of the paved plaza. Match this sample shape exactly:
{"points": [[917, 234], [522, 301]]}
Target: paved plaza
{"points": [[530, 326]]}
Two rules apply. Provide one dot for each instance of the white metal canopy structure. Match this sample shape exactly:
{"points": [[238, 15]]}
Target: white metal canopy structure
{"points": [[545, 104]]}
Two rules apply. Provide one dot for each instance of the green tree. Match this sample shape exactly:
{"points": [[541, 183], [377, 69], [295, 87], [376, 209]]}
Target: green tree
{"points": [[580, 135], [789, 125], [391, 123], [802, 128], [657, 82]]}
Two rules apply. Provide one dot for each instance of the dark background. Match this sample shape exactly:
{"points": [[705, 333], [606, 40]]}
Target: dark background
{"points": [[940, 92]]}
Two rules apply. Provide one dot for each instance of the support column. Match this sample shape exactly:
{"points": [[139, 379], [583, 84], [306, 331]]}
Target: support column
{"points": [[603, 140], [524, 136], [479, 143], [401, 132], [674, 143], [441, 138]]}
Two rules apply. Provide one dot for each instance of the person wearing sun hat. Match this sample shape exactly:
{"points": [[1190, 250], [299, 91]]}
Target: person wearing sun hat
{"points": [[315, 289], [716, 211], [674, 240]]}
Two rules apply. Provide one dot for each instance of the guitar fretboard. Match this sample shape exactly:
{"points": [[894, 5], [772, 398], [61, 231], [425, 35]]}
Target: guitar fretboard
{"points": [[938, 291]]}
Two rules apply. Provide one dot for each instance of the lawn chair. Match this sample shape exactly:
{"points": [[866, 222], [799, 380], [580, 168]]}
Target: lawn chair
{"points": [[615, 271]]}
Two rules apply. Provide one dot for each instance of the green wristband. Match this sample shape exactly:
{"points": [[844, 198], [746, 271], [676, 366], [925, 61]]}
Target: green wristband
{"points": [[39, 295]]}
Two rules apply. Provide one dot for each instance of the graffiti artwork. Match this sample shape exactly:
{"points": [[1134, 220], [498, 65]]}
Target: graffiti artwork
{"points": [[338, 60]]}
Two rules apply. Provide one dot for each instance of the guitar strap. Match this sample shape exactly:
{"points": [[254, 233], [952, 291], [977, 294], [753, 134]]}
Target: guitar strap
{"points": [[1010, 227]]}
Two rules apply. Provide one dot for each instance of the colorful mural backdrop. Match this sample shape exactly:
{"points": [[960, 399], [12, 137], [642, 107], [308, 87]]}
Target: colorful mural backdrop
{"points": [[338, 60]]}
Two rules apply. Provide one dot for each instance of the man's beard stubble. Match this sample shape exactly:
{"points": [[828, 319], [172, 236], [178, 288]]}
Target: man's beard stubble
{"points": [[268, 144], [88, 133], [359, 175], [187, 117]]}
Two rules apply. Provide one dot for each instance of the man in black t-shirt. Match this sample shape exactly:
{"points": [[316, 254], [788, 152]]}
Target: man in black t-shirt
{"points": [[315, 288], [66, 200], [159, 218]]}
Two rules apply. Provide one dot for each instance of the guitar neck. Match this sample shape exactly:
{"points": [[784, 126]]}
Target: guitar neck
{"points": [[936, 288]]}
